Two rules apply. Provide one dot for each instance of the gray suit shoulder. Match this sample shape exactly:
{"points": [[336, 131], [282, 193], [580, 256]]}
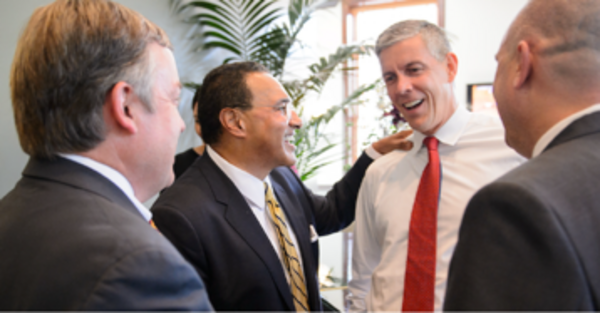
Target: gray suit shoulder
{"points": [[78, 250]]}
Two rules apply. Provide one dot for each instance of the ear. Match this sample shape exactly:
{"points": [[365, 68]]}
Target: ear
{"points": [[118, 106], [232, 122], [452, 66], [524, 69]]}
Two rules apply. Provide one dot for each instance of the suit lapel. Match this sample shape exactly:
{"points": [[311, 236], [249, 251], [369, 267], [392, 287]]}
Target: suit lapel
{"points": [[78, 176], [242, 220], [583, 126]]}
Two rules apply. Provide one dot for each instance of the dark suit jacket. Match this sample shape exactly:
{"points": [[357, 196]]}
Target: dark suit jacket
{"points": [[183, 161], [71, 240], [211, 224], [531, 240]]}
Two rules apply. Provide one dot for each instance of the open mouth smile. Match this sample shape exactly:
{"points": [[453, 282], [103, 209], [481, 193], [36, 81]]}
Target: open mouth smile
{"points": [[289, 139], [413, 104]]}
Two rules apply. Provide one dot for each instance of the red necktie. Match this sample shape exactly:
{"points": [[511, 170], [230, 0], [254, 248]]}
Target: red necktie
{"points": [[419, 280]]}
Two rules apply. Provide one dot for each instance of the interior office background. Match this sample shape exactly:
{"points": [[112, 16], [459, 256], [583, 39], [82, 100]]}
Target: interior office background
{"points": [[476, 26]]}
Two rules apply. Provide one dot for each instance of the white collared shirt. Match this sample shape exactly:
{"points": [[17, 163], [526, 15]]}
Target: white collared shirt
{"points": [[115, 177], [551, 133], [253, 190], [472, 153]]}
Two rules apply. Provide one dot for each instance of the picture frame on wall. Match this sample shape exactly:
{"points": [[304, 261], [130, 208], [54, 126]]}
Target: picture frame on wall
{"points": [[480, 98]]}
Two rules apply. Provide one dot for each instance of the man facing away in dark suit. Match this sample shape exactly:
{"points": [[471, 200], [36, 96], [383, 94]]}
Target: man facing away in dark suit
{"points": [[239, 214], [95, 93], [529, 241]]}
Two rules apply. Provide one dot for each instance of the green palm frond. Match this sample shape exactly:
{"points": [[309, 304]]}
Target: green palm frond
{"points": [[234, 25], [356, 94], [299, 12], [309, 169], [276, 45], [191, 86], [272, 49], [308, 140], [296, 90], [322, 71]]}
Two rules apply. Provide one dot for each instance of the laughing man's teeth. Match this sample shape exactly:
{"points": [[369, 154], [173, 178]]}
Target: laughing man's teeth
{"points": [[413, 104]]}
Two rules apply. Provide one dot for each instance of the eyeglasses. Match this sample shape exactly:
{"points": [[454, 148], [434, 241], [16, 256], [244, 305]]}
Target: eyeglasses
{"points": [[284, 108]]}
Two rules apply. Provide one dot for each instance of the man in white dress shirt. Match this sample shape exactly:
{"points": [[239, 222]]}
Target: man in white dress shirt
{"points": [[418, 69], [95, 92], [529, 241]]}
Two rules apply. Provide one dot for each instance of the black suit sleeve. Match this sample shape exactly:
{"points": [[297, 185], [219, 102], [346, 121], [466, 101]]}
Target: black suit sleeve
{"points": [[514, 254], [337, 209], [149, 280]]}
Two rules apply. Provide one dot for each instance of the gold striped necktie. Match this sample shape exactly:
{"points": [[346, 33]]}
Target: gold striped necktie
{"points": [[288, 251]]}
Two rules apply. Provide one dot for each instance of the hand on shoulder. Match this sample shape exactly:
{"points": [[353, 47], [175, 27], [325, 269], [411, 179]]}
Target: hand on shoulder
{"points": [[395, 141]]}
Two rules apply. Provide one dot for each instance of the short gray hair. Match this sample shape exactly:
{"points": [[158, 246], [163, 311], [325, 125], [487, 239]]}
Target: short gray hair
{"points": [[434, 37]]}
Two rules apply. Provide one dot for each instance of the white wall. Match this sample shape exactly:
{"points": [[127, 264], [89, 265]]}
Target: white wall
{"points": [[478, 27], [13, 15]]}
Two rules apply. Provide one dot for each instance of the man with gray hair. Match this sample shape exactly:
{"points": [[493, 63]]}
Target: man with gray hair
{"points": [[411, 202], [529, 241], [95, 92]]}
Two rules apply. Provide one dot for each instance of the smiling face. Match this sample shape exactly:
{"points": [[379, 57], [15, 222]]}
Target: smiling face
{"points": [[270, 132], [419, 85]]}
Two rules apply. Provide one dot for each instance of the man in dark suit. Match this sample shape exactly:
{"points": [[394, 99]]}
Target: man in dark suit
{"points": [[254, 251], [95, 93], [529, 241]]}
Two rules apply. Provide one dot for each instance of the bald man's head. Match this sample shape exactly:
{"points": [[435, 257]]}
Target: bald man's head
{"points": [[548, 68], [564, 33]]}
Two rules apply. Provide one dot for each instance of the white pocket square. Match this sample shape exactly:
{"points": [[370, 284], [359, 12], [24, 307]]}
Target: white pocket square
{"points": [[313, 234]]}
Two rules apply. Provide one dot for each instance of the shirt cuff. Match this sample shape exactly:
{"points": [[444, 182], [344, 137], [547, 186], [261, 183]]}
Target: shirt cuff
{"points": [[372, 153]]}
